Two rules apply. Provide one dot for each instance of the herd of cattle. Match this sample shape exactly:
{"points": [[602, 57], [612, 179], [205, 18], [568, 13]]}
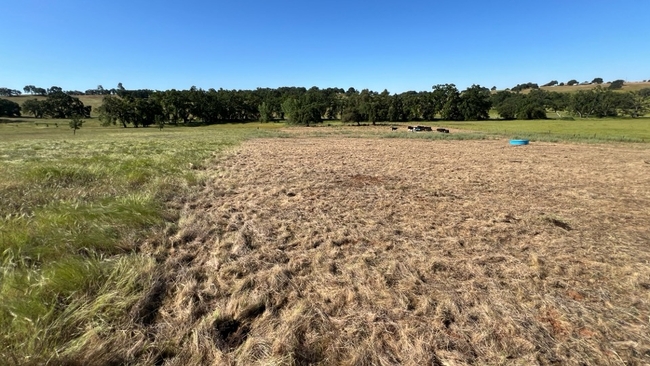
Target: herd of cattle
{"points": [[422, 128]]}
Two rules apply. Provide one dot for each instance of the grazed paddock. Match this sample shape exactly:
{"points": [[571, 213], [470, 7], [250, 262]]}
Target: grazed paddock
{"points": [[365, 251]]}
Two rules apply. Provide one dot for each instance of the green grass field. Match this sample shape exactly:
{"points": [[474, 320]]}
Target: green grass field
{"points": [[583, 130], [606, 130], [73, 212]]}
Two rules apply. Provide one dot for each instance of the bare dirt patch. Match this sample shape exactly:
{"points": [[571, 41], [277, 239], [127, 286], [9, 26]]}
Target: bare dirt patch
{"points": [[362, 251]]}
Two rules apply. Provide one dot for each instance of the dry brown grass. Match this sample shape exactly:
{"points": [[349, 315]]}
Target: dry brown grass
{"points": [[628, 86], [376, 252]]}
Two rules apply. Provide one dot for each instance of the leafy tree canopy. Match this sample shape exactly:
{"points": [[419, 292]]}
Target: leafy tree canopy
{"points": [[598, 102], [62, 105], [6, 92], [521, 87], [9, 108], [616, 84], [301, 111], [37, 108], [475, 103]]}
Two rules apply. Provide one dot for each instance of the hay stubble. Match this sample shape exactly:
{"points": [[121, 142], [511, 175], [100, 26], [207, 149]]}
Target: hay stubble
{"points": [[364, 251]]}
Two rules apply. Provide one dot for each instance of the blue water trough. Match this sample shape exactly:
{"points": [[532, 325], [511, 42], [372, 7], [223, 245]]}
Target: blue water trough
{"points": [[518, 142]]}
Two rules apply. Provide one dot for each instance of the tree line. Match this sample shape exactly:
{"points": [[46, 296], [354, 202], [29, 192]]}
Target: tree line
{"points": [[307, 106], [295, 105], [298, 105], [34, 90], [597, 102], [613, 85], [56, 105], [100, 90]]}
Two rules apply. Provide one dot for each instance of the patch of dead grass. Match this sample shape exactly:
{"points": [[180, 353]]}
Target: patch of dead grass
{"points": [[373, 252]]}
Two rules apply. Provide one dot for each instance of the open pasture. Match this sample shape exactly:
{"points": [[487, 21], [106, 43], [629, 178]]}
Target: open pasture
{"points": [[592, 131], [74, 211], [392, 251], [589, 130]]}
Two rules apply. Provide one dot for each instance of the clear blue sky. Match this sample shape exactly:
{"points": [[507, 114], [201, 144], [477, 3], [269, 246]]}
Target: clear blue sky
{"points": [[245, 44]]}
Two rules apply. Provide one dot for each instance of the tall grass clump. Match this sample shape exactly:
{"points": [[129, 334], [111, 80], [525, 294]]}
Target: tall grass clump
{"points": [[73, 213]]}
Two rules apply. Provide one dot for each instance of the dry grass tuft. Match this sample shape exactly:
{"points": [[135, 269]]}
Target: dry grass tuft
{"points": [[374, 252]]}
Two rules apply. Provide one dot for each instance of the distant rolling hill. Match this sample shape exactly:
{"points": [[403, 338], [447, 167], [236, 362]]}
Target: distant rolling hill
{"points": [[631, 86]]}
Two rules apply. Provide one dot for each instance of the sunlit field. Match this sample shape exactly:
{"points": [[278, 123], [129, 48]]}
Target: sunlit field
{"points": [[75, 211], [410, 251], [267, 244], [579, 130], [606, 130]]}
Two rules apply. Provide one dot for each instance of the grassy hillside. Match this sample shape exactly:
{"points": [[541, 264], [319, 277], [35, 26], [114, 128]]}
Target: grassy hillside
{"points": [[632, 86], [88, 100]]}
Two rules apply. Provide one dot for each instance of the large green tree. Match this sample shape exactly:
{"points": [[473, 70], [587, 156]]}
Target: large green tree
{"points": [[54, 90], [176, 105], [301, 111], [507, 104], [9, 108], [634, 104], [115, 110], [558, 102], [520, 106], [396, 109], [62, 105], [146, 112], [521, 87], [445, 100], [616, 84], [39, 91], [475, 103], [35, 107], [447, 97], [6, 92], [598, 102]]}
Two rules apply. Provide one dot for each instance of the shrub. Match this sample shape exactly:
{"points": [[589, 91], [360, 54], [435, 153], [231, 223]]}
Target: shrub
{"points": [[616, 84]]}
